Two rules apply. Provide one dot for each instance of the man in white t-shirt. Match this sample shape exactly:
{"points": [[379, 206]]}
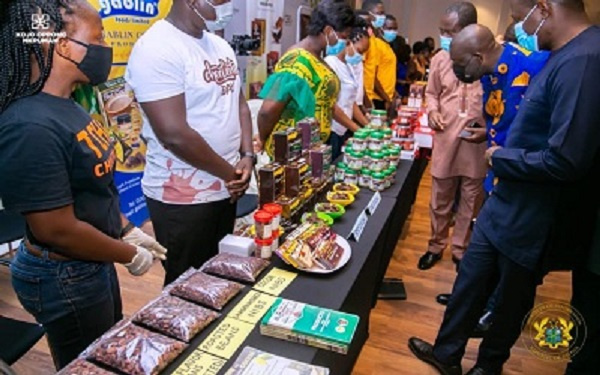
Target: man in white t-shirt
{"points": [[198, 128]]}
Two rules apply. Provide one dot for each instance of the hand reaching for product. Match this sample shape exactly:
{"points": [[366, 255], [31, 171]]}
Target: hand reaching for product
{"points": [[138, 238], [141, 262]]}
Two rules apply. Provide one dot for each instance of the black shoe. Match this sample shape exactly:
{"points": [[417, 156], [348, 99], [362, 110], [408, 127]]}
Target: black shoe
{"points": [[429, 260], [479, 371], [479, 332], [443, 298], [424, 351]]}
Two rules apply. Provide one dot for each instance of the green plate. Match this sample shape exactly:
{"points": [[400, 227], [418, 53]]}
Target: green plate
{"points": [[325, 218], [334, 216]]}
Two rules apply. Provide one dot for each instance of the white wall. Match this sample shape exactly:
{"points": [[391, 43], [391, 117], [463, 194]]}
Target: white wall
{"points": [[420, 18]]}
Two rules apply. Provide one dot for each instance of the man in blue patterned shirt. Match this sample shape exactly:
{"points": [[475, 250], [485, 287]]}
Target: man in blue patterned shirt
{"points": [[505, 71]]}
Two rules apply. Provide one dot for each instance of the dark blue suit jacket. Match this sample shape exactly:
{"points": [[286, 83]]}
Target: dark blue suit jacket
{"points": [[549, 171]]}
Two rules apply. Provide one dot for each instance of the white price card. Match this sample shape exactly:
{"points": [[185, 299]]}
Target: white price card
{"points": [[359, 226], [374, 203]]}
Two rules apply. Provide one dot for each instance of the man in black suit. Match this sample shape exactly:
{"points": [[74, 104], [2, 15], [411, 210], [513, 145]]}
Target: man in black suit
{"points": [[546, 171]]}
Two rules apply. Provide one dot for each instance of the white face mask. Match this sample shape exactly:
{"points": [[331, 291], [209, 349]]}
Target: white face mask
{"points": [[224, 14]]}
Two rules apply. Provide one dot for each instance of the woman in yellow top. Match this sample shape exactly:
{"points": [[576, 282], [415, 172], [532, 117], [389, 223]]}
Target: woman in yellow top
{"points": [[303, 85]]}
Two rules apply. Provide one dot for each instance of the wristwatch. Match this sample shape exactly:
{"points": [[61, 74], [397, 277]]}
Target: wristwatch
{"points": [[128, 228], [251, 155]]}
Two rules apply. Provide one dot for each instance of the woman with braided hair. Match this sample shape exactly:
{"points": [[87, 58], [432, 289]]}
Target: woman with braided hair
{"points": [[56, 165]]}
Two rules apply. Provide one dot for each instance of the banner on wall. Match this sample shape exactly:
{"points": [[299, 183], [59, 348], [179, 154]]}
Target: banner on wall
{"points": [[113, 103], [124, 22]]}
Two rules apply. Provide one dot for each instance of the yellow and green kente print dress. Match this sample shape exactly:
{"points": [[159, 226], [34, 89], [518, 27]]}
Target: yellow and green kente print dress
{"points": [[310, 86]]}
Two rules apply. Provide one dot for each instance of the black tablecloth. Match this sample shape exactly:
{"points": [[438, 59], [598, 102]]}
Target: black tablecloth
{"points": [[349, 290]]}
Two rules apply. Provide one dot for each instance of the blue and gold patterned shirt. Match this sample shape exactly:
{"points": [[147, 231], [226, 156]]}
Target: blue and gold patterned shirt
{"points": [[504, 90]]}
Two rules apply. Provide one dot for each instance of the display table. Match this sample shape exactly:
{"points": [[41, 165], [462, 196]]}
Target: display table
{"points": [[349, 290]]}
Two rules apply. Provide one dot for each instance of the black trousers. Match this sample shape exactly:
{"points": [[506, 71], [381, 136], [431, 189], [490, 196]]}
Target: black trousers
{"points": [[586, 300], [483, 269], [191, 233]]}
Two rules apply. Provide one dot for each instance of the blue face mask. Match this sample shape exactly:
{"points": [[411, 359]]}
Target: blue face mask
{"points": [[445, 43], [530, 42], [337, 48], [390, 35], [379, 20], [355, 59]]}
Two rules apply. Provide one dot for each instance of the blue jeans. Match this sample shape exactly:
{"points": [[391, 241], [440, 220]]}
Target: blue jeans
{"points": [[75, 301]]}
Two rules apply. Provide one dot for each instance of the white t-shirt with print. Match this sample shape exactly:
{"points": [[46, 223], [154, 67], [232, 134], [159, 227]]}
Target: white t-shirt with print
{"points": [[348, 90], [359, 75], [167, 62]]}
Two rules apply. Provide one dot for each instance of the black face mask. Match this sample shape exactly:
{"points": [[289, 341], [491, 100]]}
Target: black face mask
{"points": [[462, 75], [96, 63]]}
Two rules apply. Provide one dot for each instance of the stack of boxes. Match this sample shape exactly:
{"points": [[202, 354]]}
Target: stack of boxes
{"points": [[302, 169]]}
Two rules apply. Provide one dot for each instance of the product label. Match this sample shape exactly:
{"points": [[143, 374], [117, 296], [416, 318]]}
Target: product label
{"points": [[252, 307], [275, 282], [200, 363], [226, 338]]}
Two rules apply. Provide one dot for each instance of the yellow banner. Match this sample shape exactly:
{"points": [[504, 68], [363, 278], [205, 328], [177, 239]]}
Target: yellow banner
{"points": [[200, 363], [124, 22], [275, 281], [252, 307], [226, 338]]}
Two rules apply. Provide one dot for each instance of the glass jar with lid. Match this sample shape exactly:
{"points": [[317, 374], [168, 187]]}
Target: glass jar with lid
{"points": [[387, 136], [365, 178], [378, 118], [351, 177], [376, 141], [378, 163], [359, 141], [378, 182], [340, 172]]}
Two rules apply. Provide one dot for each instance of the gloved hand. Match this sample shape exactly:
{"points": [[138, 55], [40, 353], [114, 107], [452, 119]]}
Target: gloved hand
{"points": [[141, 262], [137, 237]]}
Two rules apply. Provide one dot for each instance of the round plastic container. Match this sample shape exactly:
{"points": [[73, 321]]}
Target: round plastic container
{"points": [[378, 118], [340, 172], [392, 171], [388, 178], [347, 152], [378, 162], [263, 222], [403, 131], [364, 180], [264, 247], [387, 136], [354, 161], [378, 182], [275, 210], [376, 141], [359, 142], [351, 177], [394, 158]]}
